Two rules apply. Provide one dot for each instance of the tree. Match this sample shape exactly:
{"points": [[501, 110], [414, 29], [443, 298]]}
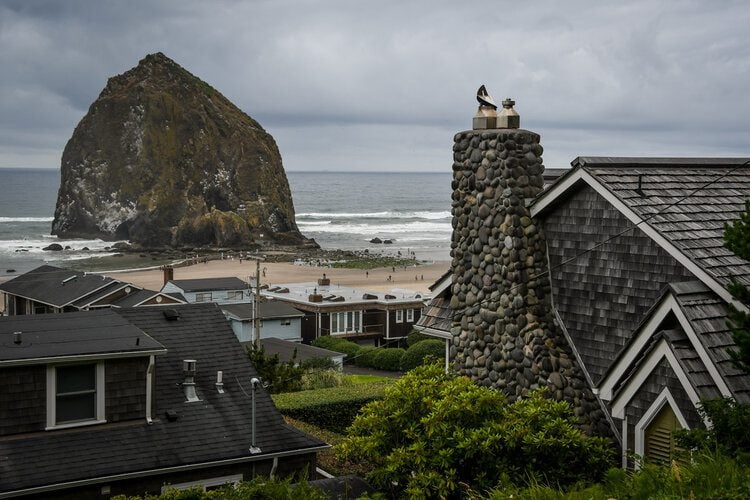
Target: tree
{"points": [[737, 239], [441, 435]]}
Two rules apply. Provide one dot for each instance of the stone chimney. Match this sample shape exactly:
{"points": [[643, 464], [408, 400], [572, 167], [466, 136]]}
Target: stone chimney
{"points": [[504, 334]]}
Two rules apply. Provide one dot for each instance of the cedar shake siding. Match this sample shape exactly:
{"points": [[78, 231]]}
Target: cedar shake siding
{"points": [[125, 389], [23, 403], [602, 295]]}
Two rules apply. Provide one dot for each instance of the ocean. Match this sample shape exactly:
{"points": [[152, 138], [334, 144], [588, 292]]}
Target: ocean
{"points": [[341, 210]]}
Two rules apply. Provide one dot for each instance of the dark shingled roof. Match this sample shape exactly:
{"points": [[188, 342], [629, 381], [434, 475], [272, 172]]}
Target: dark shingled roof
{"points": [[208, 284], [268, 310], [216, 428], [696, 225], [286, 350], [71, 334], [51, 285], [436, 315]]}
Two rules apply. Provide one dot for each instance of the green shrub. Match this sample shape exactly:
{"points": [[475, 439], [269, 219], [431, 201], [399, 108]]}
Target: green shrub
{"points": [[339, 345], [436, 434], [388, 359], [332, 409], [322, 379], [275, 375], [424, 351], [365, 357], [324, 363], [416, 336], [729, 432]]}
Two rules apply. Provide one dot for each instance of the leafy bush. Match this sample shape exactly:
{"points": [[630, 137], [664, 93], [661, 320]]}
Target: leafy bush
{"points": [[324, 363], [388, 359], [424, 351], [416, 336], [709, 476], [332, 409], [729, 433], [436, 434], [365, 357], [339, 345], [322, 379], [275, 375]]}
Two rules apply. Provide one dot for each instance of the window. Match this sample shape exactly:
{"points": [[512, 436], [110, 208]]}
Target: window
{"points": [[75, 395], [346, 321], [285, 322], [399, 316], [410, 315], [203, 297], [235, 295]]}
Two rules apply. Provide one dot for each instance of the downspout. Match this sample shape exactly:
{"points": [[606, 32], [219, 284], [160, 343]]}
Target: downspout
{"points": [[274, 467], [149, 390]]}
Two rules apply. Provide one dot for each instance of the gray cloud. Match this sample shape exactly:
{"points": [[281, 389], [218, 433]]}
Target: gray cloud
{"points": [[385, 85]]}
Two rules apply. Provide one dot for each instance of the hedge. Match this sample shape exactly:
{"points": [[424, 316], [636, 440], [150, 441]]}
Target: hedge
{"points": [[339, 345], [422, 351], [333, 409], [365, 357], [388, 359]]}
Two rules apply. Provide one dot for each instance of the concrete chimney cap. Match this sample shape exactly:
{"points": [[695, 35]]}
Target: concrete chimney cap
{"points": [[508, 103]]}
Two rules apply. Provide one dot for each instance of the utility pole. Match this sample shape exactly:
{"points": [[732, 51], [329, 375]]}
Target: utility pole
{"points": [[256, 301]]}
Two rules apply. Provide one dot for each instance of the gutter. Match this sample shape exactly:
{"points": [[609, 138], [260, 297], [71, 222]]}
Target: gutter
{"points": [[81, 357], [155, 472]]}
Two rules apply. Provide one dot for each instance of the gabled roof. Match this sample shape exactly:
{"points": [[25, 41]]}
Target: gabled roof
{"points": [[56, 337], [209, 284], [55, 286], [271, 309], [671, 206], [140, 296], [698, 337], [301, 352], [214, 431]]}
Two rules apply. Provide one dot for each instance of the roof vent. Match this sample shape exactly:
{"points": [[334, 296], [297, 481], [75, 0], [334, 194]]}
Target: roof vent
{"points": [[69, 278], [171, 315], [508, 117], [17, 338], [188, 369], [369, 296], [639, 189], [388, 296], [220, 382]]}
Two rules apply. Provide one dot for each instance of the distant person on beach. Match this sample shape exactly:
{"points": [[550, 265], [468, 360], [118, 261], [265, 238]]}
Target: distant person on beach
{"points": [[367, 274]]}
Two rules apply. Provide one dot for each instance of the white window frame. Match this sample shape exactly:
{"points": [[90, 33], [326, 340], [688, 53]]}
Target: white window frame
{"points": [[663, 399], [410, 315], [235, 295], [234, 480], [201, 297], [52, 399], [399, 315], [342, 320]]}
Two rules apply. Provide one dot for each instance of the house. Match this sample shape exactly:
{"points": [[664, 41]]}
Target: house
{"points": [[50, 289], [638, 276], [131, 400], [228, 290], [358, 315], [277, 320]]}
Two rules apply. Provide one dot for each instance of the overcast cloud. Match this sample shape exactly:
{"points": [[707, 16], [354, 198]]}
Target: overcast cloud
{"points": [[381, 85]]}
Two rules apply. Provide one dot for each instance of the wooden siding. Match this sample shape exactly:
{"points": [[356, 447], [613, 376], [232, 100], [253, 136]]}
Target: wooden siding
{"points": [[23, 403], [603, 294], [125, 389]]}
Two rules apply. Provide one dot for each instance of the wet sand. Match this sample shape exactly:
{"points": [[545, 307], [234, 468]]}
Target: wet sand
{"points": [[277, 273]]}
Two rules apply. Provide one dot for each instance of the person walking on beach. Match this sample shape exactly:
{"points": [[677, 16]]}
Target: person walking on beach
{"points": [[367, 274]]}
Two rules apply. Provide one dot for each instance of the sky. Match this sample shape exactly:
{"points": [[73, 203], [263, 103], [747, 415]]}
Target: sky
{"points": [[384, 85]]}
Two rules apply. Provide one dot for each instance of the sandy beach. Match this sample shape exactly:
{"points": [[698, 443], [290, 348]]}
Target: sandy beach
{"points": [[277, 273]]}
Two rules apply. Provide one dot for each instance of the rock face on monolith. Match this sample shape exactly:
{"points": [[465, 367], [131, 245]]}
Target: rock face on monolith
{"points": [[163, 159], [503, 328]]}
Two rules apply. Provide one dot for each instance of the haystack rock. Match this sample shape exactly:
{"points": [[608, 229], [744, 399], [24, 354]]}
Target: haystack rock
{"points": [[162, 158]]}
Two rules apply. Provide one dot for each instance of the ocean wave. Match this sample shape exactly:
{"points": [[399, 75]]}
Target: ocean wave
{"points": [[26, 219], [391, 214], [382, 229], [313, 222], [35, 246]]}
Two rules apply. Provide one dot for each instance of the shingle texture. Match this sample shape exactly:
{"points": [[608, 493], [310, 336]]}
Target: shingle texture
{"points": [[436, 315], [216, 428], [52, 285], [695, 225], [84, 332], [602, 295], [268, 310]]}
